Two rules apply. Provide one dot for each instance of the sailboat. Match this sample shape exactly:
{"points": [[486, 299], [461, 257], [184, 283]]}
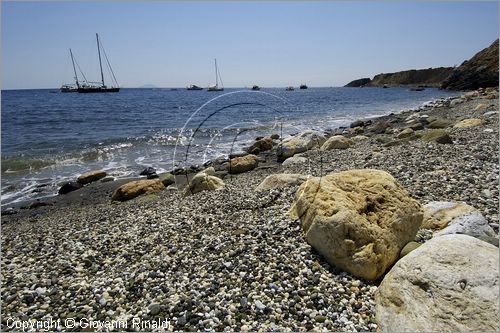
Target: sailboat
{"points": [[217, 76], [71, 87], [100, 87], [194, 87]]}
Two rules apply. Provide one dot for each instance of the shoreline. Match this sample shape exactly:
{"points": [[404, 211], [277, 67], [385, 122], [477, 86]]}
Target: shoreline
{"points": [[327, 131], [233, 258]]}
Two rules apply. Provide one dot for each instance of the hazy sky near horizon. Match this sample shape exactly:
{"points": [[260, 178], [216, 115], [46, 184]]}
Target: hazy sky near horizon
{"points": [[275, 44]]}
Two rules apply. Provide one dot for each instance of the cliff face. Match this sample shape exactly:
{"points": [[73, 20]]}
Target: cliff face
{"points": [[479, 71], [431, 77]]}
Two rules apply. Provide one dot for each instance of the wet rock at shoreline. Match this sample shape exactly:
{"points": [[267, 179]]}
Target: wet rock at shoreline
{"points": [[69, 187], [135, 188], [449, 284], [149, 171], [260, 145], [242, 164], [91, 176], [107, 179], [349, 217], [357, 123]]}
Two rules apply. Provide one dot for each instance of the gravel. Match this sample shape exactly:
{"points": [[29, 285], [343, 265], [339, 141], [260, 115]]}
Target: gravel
{"points": [[229, 260]]}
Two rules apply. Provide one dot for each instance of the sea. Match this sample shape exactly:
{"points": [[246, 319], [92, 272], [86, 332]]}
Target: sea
{"points": [[49, 137]]}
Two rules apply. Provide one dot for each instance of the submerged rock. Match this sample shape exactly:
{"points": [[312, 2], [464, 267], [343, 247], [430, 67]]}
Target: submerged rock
{"points": [[449, 284], [359, 220]]}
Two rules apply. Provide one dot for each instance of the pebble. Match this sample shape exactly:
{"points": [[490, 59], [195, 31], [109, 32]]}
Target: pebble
{"points": [[154, 309], [259, 305]]}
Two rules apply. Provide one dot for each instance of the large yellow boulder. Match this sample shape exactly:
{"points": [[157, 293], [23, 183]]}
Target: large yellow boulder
{"points": [[359, 220], [137, 187]]}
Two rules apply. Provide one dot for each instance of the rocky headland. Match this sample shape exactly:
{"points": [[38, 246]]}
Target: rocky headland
{"points": [[390, 224], [481, 71]]}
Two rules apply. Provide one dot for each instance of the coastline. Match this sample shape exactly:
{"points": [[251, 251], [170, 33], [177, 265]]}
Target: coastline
{"points": [[184, 257], [47, 178]]}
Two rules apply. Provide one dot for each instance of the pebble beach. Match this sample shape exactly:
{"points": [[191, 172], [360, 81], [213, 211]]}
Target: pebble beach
{"points": [[234, 259]]}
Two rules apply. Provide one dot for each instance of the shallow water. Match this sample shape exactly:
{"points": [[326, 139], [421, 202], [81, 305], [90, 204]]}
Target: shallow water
{"points": [[49, 137]]}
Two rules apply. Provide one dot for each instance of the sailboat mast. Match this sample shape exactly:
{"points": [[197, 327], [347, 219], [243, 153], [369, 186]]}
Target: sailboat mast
{"points": [[74, 69], [216, 76], [100, 63]]}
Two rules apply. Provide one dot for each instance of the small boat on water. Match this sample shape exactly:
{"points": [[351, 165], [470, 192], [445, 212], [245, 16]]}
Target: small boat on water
{"points": [[303, 86], [290, 88], [217, 77], [66, 88], [100, 87], [194, 87], [255, 88]]}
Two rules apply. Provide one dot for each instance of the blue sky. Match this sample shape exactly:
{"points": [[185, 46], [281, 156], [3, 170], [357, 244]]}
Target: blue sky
{"points": [[274, 44]]}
